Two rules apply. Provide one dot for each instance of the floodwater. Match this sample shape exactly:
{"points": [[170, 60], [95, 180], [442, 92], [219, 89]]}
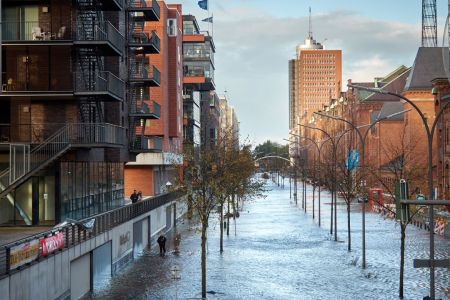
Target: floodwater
{"points": [[277, 251]]}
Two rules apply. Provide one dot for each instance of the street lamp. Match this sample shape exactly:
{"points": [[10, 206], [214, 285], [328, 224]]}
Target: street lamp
{"points": [[319, 148], [333, 187], [362, 139], [430, 134]]}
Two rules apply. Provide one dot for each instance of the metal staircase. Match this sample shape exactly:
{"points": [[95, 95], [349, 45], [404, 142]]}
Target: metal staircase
{"points": [[71, 135]]}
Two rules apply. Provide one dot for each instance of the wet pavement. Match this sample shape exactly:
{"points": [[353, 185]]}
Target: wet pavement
{"points": [[279, 252]]}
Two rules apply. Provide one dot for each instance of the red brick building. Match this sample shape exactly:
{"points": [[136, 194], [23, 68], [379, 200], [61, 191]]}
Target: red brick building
{"points": [[155, 167]]}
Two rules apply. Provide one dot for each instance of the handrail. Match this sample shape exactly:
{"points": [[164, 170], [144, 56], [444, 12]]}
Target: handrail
{"points": [[74, 234], [99, 31], [101, 81], [62, 139]]}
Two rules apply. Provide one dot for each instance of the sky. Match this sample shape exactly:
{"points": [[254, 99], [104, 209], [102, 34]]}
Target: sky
{"points": [[256, 38]]}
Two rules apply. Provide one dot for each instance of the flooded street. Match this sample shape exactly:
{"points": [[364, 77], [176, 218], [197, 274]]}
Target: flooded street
{"points": [[279, 252]]}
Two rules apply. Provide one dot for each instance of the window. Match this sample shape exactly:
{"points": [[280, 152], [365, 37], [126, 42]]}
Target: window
{"points": [[172, 27]]}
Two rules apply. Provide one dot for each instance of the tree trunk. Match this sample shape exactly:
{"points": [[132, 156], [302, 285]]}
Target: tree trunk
{"points": [[221, 227], [348, 227], [235, 200], [204, 225], [402, 259]]}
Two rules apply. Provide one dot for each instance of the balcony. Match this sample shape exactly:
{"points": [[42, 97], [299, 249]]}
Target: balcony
{"points": [[101, 36], [147, 144], [198, 52], [104, 84], [91, 134], [36, 32], [142, 12], [199, 75], [144, 111], [145, 43], [145, 75]]}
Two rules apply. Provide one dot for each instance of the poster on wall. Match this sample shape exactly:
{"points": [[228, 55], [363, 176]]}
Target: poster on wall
{"points": [[23, 253], [52, 243]]}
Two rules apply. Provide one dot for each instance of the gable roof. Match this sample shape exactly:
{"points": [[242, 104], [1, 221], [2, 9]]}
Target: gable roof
{"points": [[428, 65]]}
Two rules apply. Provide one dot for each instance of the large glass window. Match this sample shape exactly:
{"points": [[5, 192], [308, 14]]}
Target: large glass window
{"points": [[89, 188], [37, 68], [198, 68], [198, 51]]}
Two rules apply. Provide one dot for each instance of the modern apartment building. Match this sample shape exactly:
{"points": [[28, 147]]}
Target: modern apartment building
{"points": [[315, 77], [161, 138], [76, 94], [201, 105]]}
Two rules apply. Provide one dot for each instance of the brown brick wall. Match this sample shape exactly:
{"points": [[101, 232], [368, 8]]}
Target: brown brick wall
{"points": [[139, 178]]}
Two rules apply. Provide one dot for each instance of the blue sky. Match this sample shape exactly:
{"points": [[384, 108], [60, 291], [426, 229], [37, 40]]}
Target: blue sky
{"points": [[256, 38]]}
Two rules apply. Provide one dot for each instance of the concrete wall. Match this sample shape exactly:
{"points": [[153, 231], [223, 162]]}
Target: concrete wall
{"points": [[63, 275]]}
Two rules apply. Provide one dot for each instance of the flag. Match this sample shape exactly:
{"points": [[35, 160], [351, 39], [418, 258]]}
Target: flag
{"points": [[209, 20], [203, 4]]}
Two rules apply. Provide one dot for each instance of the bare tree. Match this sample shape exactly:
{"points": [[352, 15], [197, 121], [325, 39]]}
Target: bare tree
{"points": [[402, 163]]}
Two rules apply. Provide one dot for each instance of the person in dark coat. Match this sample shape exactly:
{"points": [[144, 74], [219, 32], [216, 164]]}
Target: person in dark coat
{"points": [[134, 197], [162, 244]]}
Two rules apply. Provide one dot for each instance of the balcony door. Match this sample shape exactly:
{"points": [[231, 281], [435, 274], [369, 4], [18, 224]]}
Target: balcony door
{"points": [[20, 22]]}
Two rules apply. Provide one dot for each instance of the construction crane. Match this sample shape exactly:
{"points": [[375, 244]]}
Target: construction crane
{"points": [[429, 23]]}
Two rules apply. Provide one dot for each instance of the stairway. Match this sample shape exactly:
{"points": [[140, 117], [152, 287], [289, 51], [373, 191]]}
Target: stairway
{"points": [[59, 143]]}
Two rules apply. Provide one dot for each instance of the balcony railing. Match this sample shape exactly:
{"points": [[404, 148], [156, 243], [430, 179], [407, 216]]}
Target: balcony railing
{"points": [[99, 83], [99, 32], [197, 72], [143, 11], [35, 31], [143, 42], [74, 134], [143, 110], [147, 143], [147, 75], [75, 235]]}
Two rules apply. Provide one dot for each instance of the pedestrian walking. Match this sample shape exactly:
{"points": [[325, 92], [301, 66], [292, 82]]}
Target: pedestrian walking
{"points": [[139, 196], [162, 244], [134, 197]]}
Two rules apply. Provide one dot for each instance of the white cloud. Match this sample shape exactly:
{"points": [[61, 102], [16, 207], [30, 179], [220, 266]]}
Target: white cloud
{"points": [[253, 50]]}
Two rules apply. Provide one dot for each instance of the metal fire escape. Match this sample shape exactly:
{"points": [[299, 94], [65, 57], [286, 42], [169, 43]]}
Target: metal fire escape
{"points": [[93, 38], [142, 75]]}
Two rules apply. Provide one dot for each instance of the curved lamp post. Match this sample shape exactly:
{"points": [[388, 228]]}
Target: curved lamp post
{"points": [[430, 134], [362, 140]]}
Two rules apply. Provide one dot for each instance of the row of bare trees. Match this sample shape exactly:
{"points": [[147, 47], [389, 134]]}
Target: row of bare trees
{"points": [[217, 174], [332, 172]]}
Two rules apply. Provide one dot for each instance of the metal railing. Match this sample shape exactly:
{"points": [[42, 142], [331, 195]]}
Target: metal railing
{"points": [[143, 143], [74, 234], [197, 72], [100, 32], [101, 81], [35, 31], [145, 72], [140, 38], [143, 4], [154, 108], [61, 141]]}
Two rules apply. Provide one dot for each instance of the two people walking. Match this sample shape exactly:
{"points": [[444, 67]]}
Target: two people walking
{"points": [[136, 196]]}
